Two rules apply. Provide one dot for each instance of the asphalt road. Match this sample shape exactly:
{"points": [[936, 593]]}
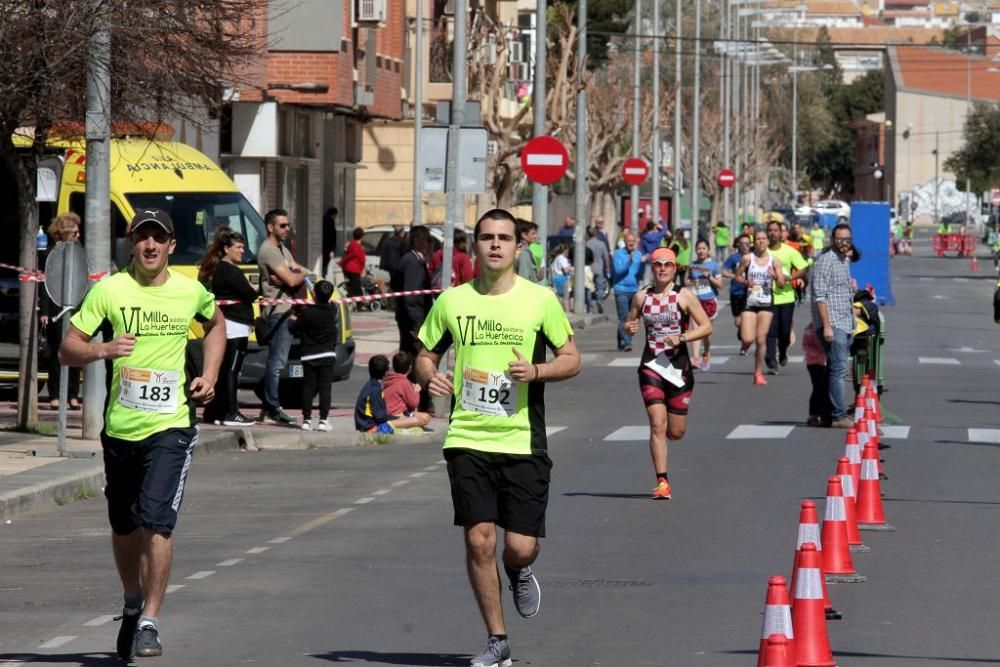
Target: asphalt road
{"points": [[349, 555]]}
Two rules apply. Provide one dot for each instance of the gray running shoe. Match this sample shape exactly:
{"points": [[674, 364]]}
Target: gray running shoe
{"points": [[126, 633], [497, 654], [527, 593], [147, 642]]}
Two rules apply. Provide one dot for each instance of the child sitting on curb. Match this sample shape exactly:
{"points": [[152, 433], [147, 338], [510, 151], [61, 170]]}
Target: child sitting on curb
{"points": [[402, 395], [370, 412]]}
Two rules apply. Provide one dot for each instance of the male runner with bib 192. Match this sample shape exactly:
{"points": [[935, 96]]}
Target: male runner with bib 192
{"points": [[665, 375], [500, 325], [149, 424]]}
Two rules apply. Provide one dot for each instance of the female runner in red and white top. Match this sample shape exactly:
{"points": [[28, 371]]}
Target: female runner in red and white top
{"points": [[665, 374]]}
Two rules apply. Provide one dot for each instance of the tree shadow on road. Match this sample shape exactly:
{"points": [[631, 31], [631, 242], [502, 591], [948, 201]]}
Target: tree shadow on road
{"points": [[83, 659], [377, 658], [966, 442]]}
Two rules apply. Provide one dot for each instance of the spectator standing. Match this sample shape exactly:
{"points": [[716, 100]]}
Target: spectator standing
{"points": [[318, 329], [353, 262], [561, 270], [391, 254], [329, 237], [527, 266], [650, 240], [682, 249], [721, 241], [280, 278], [601, 233], [219, 272], [819, 399], [461, 263], [600, 265], [626, 265], [567, 231], [64, 228], [832, 295]]}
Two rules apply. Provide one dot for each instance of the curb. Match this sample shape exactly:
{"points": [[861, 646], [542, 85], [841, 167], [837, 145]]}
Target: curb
{"points": [[90, 473]]}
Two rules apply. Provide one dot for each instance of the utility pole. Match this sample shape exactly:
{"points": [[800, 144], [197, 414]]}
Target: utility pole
{"points": [[455, 202], [696, 130], [582, 163], [675, 201], [656, 112], [794, 189], [97, 202], [418, 114], [937, 186], [636, 147], [539, 192], [726, 98], [737, 135]]}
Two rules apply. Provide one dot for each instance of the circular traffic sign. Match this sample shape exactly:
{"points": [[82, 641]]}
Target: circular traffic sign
{"points": [[727, 178], [635, 171], [544, 160]]}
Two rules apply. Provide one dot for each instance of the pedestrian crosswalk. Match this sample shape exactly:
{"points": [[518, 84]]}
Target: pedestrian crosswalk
{"points": [[717, 359], [640, 433]]}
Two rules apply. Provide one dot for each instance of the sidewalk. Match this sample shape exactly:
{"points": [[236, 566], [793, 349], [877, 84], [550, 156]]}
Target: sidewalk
{"points": [[33, 475]]}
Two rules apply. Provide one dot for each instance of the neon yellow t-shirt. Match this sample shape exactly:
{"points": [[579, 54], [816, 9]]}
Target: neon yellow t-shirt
{"points": [[149, 388], [490, 413], [790, 259]]}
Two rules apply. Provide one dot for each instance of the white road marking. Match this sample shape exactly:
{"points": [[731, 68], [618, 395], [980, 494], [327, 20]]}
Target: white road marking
{"points": [[363, 501], [796, 359], [895, 432], [382, 492], [401, 482], [759, 431], [229, 562], [961, 280], [724, 347], [204, 574], [630, 362], [965, 348], [997, 362], [315, 523], [279, 540], [417, 475], [552, 430], [926, 278], [56, 642], [173, 588], [628, 433], [990, 435], [718, 360], [940, 296], [941, 361], [431, 468], [256, 550], [100, 620]]}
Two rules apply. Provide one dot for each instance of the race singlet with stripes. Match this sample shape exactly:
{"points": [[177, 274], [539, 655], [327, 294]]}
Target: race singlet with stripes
{"points": [[761, 294], [663, 316]]}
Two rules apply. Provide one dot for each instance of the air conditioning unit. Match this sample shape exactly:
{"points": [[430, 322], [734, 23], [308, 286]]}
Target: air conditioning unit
{"points": [[363, 97], [492, 146], [371, 11]]}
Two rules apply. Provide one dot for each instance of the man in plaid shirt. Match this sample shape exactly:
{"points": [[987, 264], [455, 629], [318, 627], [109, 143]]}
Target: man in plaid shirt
{"points": [[833, 316]]}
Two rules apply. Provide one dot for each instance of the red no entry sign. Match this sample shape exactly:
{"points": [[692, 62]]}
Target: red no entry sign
{"points": [[727, 178], [544, 160], [635, 171]]}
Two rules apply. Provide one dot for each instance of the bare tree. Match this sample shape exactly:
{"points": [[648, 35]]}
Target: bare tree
{"points": [[170, 58]]}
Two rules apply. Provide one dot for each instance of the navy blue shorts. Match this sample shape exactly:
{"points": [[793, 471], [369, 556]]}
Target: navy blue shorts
{"points": [[145, 479]]}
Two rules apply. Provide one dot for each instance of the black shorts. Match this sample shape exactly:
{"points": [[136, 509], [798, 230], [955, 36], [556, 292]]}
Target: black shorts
{"points": [[760, 309], [509, 490], [145, 479], [737, 304], [656, 390]]}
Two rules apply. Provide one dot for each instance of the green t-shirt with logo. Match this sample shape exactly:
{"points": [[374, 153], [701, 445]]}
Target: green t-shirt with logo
{"points": [[149, 388], [721, 236], [490, 412], [791, 259]]}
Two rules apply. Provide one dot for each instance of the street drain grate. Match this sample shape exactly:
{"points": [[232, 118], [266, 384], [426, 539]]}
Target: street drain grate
{"points": [[590, 584]]}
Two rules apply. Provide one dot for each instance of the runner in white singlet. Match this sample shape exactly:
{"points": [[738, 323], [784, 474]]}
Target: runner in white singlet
{"points": [[759, 271]]}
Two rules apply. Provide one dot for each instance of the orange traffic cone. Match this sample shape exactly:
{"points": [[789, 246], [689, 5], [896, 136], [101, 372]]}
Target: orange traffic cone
{"points": [[837, 563], [859, 407], [809, 532], [812, 644], [847, 482], [975, 264], [869, 504], [852, 450], [777, 618], [779, 652]]}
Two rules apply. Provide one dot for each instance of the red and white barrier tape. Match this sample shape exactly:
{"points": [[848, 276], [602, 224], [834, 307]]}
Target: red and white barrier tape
{"points": [[26, 275], [351, 299]]}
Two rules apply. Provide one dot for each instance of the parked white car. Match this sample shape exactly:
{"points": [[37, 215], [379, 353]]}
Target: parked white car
{"points": [[840, 208]]}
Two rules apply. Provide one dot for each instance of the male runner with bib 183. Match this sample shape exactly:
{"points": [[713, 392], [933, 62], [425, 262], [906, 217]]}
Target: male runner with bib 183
{"points": [[665, 375], [149, 424], [500, 325]]}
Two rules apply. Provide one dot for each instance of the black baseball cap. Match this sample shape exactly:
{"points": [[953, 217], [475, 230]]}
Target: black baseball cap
{"points": [[152, 215]]}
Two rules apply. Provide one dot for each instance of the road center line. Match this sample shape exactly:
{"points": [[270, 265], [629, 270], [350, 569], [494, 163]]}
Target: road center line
{"points": [[173, 588], [100, 620], [382, 492], [320, 521], [204, 574], [229, 562], [431, 468], [256, 550], [279, 540], [56, 642], [416, 475], [363, 501], [400, 482]]}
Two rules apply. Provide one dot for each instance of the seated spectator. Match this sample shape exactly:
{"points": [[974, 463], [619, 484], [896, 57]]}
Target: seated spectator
{"points": [[402, 395], [370, 412]]}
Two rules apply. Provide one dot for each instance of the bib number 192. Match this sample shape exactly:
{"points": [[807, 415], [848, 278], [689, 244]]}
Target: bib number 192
{"points": [[494, 395]]}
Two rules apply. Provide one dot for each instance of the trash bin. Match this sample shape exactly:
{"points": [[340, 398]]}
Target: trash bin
{"points": [[869, 357]]}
